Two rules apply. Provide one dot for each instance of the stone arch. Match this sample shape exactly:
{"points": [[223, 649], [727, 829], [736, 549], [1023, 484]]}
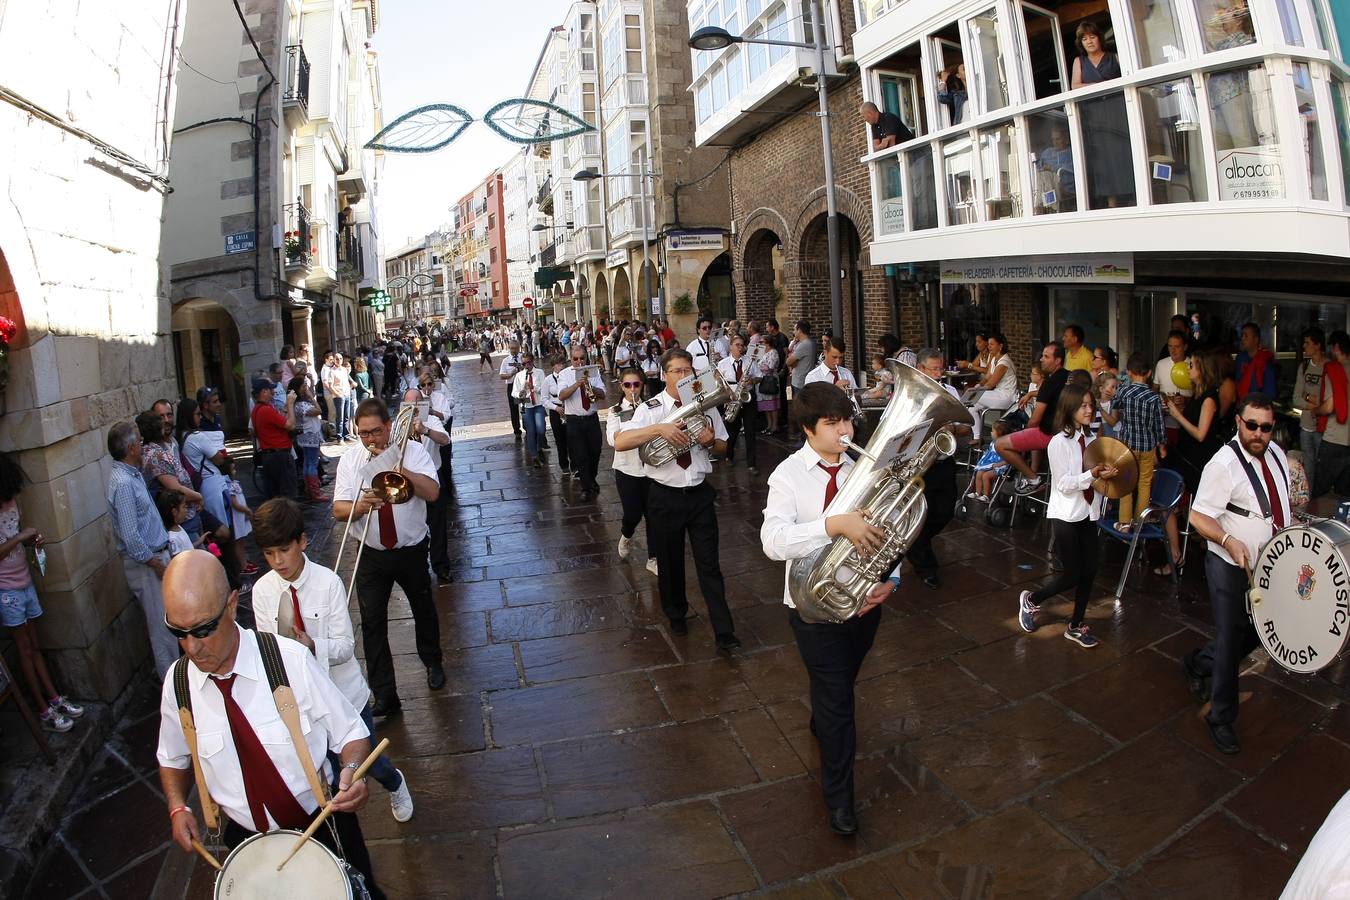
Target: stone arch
{"points": [[716, 292], [849, 205], [599, 297], [810, 281], [207, 354], [757, 278], [620, 295], [763, 218]]}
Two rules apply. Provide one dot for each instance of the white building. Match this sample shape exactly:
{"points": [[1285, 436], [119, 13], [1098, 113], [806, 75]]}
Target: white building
{"points": [[421, 282]]}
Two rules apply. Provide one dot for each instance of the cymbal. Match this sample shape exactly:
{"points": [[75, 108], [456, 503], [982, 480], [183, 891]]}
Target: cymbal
{"points": [[1113, 453]]}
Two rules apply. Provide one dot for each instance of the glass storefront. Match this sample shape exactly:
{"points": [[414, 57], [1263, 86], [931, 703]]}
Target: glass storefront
{"points": [[1088, 308]]}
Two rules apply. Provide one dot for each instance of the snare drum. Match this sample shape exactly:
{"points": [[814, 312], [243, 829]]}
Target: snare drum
{"points": [[250, 871], [1302, 597]]}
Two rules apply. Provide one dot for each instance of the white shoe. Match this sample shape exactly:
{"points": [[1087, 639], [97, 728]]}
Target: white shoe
{"points": [[400, 801], [624, 544], [651, 566], [54, 720]]}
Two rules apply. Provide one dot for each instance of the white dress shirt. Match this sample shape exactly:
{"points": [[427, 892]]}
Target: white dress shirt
{"points": [[722, 344], [327, 720], [434, 425], [727, 368], [822, 373], [510, 365], [443, 401], [354, 473], [625, 461], [794, 516], [551, 389], [1068, 481], [525, 381], [323, 609], [701, 350], [651, 367], [671, 475], [572, 405], [1224, 481]]}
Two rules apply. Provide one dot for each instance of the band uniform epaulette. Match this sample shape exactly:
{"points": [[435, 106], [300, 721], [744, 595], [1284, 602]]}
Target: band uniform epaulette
{"points": [[626, 415], [654, 403]]}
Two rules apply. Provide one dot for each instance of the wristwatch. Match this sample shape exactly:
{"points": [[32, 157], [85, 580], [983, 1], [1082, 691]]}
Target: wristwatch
{"points": [[353, 766]]}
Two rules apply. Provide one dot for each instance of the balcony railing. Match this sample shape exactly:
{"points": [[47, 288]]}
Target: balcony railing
{"points": [[297, 240], [297, 76], [351, 262], [545, 189]]}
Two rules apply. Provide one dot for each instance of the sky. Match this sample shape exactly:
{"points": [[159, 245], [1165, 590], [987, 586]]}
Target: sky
{"points": [[467, 52]]}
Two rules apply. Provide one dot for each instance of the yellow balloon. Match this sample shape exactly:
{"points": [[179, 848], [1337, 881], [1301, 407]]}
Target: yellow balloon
{"points": [[1181, 375]]}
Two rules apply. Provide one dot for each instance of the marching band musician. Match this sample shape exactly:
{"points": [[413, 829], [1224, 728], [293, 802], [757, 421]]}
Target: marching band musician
{"points": [[722, 341], [1242, 500], [250, 765], [507, 373], [830, 369], [701, 348], [680, 500], [629, 476], [528, 389], [735, 370], [554, 405], [795, 526], [583, 422], [395, 551], [434, 439]]}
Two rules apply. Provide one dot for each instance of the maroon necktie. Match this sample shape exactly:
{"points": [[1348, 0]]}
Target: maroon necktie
{"points": [[833, 487], [738, 371], [299, 620], [835, 373], [388, 531], [263, 785], [683, 459], [1087, 491], [585, 400], [1276, 509]]}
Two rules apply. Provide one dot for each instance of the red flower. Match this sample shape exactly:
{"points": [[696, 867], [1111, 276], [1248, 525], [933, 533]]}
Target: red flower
{"points": [[7, 330]]}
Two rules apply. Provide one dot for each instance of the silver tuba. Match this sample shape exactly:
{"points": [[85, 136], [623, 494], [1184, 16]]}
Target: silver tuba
{"points": [[659, 451], [831, 584]]}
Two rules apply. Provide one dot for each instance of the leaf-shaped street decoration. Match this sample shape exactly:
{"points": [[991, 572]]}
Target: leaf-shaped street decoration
{"points": [[397, 282], [534, 121], [422, 279], [423, 130]]}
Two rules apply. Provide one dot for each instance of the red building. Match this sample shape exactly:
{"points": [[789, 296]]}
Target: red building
{"points": [[478, 255]]}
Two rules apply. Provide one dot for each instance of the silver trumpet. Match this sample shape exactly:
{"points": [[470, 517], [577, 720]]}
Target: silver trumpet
{"points": [[831, 584], [659, 451]]}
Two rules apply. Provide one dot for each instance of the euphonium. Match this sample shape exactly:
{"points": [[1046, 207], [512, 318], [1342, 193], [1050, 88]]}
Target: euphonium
{"points": [[831, 584], [659, 451]]}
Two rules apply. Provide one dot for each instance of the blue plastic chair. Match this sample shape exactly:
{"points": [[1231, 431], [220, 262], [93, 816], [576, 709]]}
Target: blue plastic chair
{"points": [[1149, 525]]}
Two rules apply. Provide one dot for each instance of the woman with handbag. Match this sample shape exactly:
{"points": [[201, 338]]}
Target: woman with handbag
{"points": [[766, 392]]}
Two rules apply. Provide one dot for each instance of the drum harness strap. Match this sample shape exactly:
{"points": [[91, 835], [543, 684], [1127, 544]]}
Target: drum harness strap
{"points": [[284, 698], [1257, 488]]}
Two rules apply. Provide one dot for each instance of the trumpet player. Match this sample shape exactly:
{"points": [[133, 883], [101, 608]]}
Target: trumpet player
{"points": [[831, 370], [701, 348], [528, 388], [680, 500], [630, 477], [741, 374], [581, 394], [794, 526], [396, 550]]}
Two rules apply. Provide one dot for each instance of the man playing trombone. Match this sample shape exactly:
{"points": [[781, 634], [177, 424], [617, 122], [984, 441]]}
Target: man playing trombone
{"points": [[395, 550], [581, 389]]}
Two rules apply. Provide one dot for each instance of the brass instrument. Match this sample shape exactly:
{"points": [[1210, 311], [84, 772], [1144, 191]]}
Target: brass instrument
{"points": [[390, 486], [659, 451], [745, 391], [831, 584], [584, 376], [523, 395]]}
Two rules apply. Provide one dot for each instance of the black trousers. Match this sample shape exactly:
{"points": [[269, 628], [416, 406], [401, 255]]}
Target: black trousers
{"points": [[348, 828], [833, 654], [1234, 637], [559, 426], [1076, 550], [583, 448], [940, 492], [633, 490], [515, 411], [379, 571], [437, 513], [278, 473], [748, 423], [671, 512]]}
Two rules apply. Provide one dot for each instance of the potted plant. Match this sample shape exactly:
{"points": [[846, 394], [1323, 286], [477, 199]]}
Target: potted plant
{"points": [[8, 329], [683, 305], [293, 246]]}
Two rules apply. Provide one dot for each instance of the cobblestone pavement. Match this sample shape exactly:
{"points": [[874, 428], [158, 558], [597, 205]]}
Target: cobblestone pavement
{"points": [[580, 749]]}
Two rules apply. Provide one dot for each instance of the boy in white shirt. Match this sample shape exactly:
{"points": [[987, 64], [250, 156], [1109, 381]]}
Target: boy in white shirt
{"points": [[795, 525], [307, 602], [831, 370]]}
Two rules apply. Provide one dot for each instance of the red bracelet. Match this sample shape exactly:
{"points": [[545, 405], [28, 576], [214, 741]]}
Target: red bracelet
{"points": [[177, 809]]}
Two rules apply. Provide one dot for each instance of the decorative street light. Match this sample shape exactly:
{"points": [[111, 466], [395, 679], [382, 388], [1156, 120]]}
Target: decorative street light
{"points": [[643, 175], [713, 38]]}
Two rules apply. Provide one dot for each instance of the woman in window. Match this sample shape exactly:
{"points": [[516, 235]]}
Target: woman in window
{"points": [[1110, 175], [951, 91]]}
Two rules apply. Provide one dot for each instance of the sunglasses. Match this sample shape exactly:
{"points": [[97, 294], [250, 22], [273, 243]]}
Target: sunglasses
{"points": [[200, 632], [632, 384], [1263, 427]]}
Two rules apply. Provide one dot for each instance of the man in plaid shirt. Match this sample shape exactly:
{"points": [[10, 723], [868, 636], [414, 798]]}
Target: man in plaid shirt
{"points": [[1141, 428]]}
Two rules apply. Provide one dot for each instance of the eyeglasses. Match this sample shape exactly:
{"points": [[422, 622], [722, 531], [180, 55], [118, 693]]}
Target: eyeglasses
{"points": [[1263, 427], [200, 632], [369, 432], [686, 370]]}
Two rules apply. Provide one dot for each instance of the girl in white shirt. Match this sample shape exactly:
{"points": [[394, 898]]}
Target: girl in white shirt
{"points": [[629, 478], [1074, 509]]}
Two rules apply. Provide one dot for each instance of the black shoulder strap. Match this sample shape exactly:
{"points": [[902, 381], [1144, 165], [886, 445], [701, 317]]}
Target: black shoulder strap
{"points": [[1258, 488], [180, 684], [271, 659]]}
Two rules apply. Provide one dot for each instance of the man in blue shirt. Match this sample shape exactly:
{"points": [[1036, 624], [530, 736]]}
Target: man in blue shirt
{"points": [[1255, 365], [140, 537]]}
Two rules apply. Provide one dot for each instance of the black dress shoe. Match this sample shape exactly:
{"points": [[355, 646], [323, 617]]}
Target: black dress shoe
{"points": [[843, 821], [435, 677], [1194, 683], [679, 627], [931, 582], [728, 642], [383, 709], [1225, 738]]}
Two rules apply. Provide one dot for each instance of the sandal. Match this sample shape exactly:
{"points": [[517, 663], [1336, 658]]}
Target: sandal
{"points": [[1166, 571]]}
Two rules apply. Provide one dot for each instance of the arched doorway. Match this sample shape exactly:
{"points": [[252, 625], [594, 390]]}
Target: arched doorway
{"points": [[621, 297], [715, 292], [600, 300], [206, 354], [762, 278], [813, 276], [648, 286]]}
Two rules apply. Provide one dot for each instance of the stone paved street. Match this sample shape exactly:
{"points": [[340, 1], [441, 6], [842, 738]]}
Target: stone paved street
{"points": [[582, 750]]}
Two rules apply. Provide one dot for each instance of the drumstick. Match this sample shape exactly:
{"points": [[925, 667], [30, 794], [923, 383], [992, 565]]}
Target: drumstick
{"points": [[206, 855], [328, 807]]}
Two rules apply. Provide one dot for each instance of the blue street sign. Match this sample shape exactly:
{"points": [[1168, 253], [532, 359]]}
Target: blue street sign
{"points": [[242, 242]]}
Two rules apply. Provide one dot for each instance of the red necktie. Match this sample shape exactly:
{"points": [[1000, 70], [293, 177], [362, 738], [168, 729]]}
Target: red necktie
{"points": [[388, 531], [263, 785], [585, 400], [1088, 493], [738, 371], [835, 373], [299, 620], [1276, 509], [529, 379], [684, 459], [833, 487]]}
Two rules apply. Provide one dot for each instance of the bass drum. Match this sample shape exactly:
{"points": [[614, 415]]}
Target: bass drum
{"points": [[1300, 601]]}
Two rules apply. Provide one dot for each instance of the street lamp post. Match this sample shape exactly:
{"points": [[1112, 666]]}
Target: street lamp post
{"points": [[713, 38], [591, 175]]}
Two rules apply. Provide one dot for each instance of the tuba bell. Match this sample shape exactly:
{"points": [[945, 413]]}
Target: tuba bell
{"points": [[831, 584], [659, 451]]}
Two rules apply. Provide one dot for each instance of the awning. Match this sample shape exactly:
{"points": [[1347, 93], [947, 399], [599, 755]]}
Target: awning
{"points": [[547, 276]]}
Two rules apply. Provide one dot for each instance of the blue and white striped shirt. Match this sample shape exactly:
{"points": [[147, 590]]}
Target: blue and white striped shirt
{"points": [[136, 522]]}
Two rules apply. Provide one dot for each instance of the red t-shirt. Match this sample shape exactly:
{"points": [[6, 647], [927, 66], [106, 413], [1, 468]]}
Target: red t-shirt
{"points": [[270, 427], [1334, 373]]}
